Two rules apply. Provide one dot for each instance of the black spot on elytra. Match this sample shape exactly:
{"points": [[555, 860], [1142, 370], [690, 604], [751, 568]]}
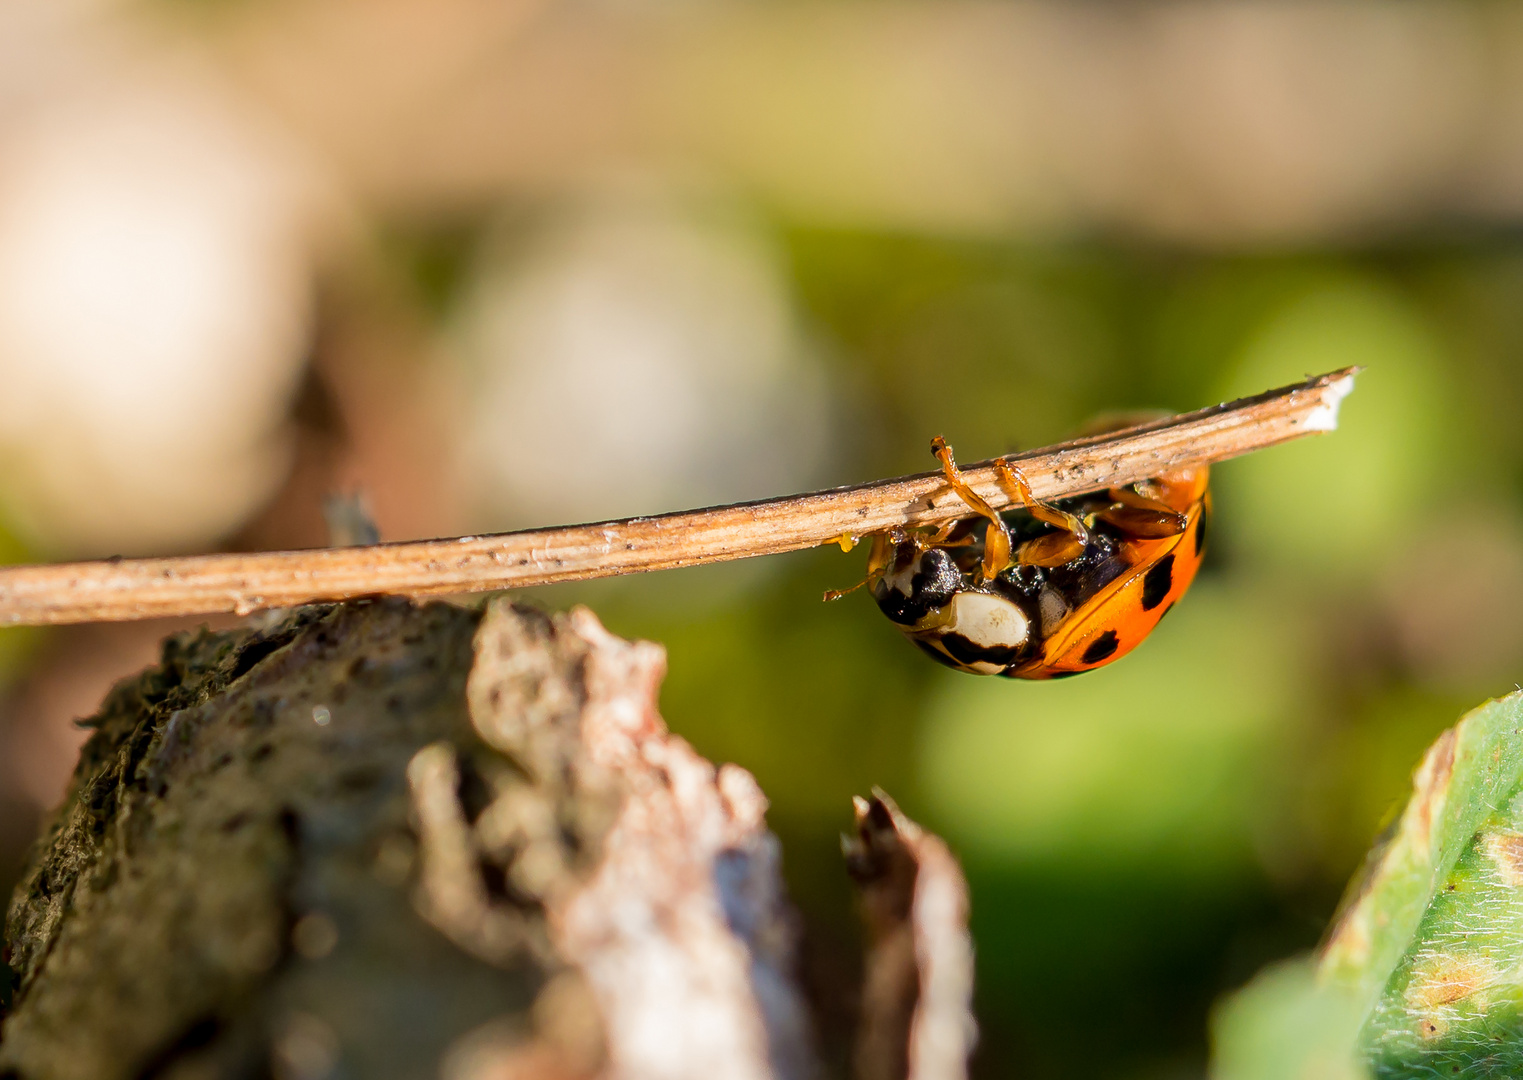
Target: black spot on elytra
{"points": [[1102, 648], [1065, 674], [1200, 532], [1157, 583]]}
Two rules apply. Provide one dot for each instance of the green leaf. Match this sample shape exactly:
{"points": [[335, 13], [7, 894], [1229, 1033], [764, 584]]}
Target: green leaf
{"points": [[1422, 972]]}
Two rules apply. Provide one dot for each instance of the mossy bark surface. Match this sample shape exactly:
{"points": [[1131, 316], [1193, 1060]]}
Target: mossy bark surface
{"points": [[227, 890]]}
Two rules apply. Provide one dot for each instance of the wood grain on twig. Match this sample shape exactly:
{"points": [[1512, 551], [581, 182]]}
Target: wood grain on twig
{"points": [[203, 584]]}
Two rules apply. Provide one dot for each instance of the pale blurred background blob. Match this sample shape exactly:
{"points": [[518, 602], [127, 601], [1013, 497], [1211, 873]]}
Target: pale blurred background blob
{"points": [[634, 356], [155, 313]]}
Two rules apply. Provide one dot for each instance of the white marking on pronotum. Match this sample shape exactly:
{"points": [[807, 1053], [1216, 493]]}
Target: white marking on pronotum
{"points": [[1324, 417], [902, 580]]}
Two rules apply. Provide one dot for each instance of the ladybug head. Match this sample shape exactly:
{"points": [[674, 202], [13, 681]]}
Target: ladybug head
{"points": [[916, 582]]}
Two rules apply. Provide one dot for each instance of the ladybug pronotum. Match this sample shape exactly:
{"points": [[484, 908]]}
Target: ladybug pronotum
{"points": [[1049, 589]]}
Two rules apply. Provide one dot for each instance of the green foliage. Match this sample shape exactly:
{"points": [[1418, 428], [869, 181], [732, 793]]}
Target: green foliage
{"points": [[1422, 972], [1286, 1026]]}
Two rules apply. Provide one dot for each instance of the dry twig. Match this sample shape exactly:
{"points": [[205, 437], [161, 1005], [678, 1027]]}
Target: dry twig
{"points": [[201, 584], [917, 992]]}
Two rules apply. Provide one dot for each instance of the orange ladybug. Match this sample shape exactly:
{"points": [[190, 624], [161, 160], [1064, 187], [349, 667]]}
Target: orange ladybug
{"points": [[1047, 590]]}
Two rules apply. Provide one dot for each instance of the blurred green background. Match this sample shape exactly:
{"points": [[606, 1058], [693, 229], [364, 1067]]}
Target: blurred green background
{"points": [[556, 262], [1143, 839]]}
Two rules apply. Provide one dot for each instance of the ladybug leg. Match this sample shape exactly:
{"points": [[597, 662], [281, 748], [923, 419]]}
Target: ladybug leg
{"points": [[944, 536], [1142, 524], [1141, 517], [1130, 496], [997, 543], [878, 558], [1054, 549], [1020, 490]]}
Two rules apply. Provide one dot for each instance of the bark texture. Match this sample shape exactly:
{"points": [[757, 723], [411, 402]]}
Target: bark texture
{"points": [[340, 845], [379, 840]]}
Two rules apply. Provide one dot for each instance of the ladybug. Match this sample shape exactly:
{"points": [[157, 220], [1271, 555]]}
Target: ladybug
{"points": [[1045, 590]]}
